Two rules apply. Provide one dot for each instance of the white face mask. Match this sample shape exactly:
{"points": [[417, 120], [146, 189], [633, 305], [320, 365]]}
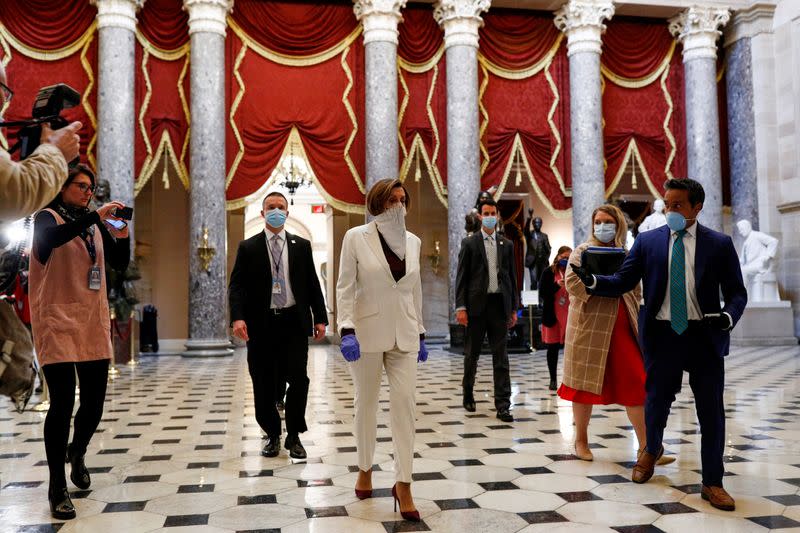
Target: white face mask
{"points": [[392, 226]]}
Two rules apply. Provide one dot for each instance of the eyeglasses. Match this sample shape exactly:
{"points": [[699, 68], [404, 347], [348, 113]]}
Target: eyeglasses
{"points": [[84, 187], [8, 94]]}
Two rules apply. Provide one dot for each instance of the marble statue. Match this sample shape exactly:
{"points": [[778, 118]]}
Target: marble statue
{"points": [[102, 193], [757, 259], [656, 219]]}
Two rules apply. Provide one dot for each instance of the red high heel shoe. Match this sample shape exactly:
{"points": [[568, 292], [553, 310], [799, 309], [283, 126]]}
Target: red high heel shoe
{"points": [[363, 494], [412, 516]]}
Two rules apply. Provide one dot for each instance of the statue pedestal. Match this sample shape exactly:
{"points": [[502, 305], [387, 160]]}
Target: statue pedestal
{"points": [[765, 324]]}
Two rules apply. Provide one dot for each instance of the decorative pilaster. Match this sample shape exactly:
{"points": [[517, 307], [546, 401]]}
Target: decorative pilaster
{"points": [[116, 27], [697, 28], [749, 31], [582, 22], [208, 327], [461, 20], [380, 19]]}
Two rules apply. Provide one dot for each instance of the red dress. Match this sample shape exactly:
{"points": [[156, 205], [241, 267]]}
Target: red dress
{"points": [[623, 382], [555, 334]]}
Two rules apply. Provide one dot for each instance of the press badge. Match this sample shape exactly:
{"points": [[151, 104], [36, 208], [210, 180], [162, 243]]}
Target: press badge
{"points": [[276, 288], [95, 281]]}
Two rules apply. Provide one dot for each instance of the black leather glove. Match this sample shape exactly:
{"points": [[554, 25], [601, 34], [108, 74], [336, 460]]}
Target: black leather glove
{"points": [[718, 321], [583, 275]]}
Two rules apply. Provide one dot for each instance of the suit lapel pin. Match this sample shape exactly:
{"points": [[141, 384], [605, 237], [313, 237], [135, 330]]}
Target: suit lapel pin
{"points": [[294, 241]]}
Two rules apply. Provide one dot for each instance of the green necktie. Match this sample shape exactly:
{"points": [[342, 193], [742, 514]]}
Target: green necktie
{"points": [[679, 317]]}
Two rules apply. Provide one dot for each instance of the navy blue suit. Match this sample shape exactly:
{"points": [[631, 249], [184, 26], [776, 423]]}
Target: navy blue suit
{"points": [[699, 350]]}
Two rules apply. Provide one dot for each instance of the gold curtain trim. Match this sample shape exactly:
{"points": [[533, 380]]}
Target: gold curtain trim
{"points": [[294, 137], [722, 69], [402, 111], [554, 129], [234, 108], [484, 118], [667, 132], [87, 106], [419, 68], [160, 53], [632, 152], [353, 120], [418, 146], [6, 61], [49, 55], [188, 115], [644, 81], [165, 148], [437, 143], [143, 111], [294, 61], [520, 74]]}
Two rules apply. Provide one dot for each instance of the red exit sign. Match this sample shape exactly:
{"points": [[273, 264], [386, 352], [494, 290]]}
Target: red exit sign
{"points": [[318, 208]]}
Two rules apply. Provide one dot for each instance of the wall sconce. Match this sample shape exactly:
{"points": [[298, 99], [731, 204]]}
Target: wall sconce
{"points": [[435, 258], [205, 251]]}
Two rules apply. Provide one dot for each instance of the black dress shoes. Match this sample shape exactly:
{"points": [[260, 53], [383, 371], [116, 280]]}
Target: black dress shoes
{"points": [[61, 507], [505, 416], [79, 474], [296, 450], [272, 448], [469, 405]]}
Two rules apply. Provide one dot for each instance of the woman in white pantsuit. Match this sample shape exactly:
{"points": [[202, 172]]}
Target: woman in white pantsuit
{"points": [[379, 302]]}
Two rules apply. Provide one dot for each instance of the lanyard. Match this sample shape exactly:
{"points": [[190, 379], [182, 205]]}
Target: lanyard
{"points": [[88, 240], [276, 263]]}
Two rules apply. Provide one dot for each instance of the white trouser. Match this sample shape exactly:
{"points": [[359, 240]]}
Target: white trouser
{"points": [[401, 369]]}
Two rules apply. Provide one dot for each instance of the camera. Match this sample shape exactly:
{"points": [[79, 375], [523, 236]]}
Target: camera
{"points": [[47, 108]]}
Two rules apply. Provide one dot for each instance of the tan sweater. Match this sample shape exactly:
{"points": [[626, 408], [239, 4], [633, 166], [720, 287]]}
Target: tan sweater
{"points": [[70, 322], [31, 184]]}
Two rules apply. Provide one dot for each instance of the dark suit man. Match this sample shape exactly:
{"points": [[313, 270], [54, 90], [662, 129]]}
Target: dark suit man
{"points": [[486, 303], [273, 292], [684, 267]]}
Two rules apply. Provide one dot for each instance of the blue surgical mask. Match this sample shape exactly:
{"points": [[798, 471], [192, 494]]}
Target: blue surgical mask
{"points": [[275, 218], [563, 263], [676, 221], [605, 232], [489, 222]]}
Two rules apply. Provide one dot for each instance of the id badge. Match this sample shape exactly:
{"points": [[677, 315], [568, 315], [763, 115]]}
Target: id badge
{"points": [[95, 280], [276, 288]]}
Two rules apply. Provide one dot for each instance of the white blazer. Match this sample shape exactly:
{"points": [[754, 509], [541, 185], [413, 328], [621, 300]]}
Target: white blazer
{"points": [[383, 312]]}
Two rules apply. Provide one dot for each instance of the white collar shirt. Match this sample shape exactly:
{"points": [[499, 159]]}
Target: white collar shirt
{"points": [[689, 247]]}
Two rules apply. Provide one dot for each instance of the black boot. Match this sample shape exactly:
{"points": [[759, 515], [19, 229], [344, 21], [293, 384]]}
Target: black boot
{"points": [[61, 507], [79, 474]]}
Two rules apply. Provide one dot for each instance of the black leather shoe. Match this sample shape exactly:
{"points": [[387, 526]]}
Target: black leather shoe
{"points": [[505, 416], [553, 385], [272, 448], [61, 507], [469, 405], [79, 474], [296, 450]]}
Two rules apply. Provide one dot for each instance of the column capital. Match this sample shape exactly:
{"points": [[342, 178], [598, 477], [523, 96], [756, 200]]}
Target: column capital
{"points": [[208, 15], [750, 22], [582, 21], [379, 18], [461, 20], [697, 28], [117, 13]]}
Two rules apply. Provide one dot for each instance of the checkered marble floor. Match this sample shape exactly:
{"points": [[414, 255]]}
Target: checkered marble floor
{"points": [[178, 449]]}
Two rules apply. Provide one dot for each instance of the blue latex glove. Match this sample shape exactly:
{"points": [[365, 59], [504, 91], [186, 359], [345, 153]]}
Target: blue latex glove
{"points": [[422, 356], [351, 350]]}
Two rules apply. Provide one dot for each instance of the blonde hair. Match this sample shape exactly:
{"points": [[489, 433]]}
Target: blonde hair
{"points": [[380, 192], [621, 237]]}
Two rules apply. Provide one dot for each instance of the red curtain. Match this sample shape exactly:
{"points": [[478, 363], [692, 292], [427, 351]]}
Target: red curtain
{"points": [[422, 93], [295, 29], [164, 23], [722, 107], [533, 108], [634, 52], [45, 24]]}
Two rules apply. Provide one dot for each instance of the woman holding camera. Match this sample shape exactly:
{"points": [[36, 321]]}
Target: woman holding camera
{"points": [[70, 320]]}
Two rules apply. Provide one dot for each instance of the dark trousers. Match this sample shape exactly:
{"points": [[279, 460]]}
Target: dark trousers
{"points": [[665, 363], [280, 355], [552, 359], [93, 377], [492, 322]]}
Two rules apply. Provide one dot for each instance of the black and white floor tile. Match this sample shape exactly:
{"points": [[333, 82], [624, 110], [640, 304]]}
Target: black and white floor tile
{"points": [[178, 450]]}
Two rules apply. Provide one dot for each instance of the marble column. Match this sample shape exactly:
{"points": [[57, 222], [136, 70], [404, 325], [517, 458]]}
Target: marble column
{"points": [[582, 22], [208, 328], [697, 28], [116, 28], [380, 19], [461, 21]]}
